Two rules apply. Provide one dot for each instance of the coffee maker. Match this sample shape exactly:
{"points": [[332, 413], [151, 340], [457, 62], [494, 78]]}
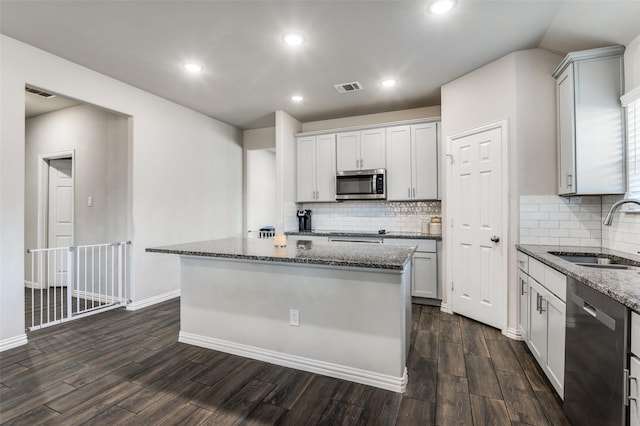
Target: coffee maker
{"points": [[304, 220]]}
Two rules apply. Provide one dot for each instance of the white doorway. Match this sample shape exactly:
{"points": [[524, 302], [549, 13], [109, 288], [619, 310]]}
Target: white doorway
{"points": [[479, 223], [56, 211]]}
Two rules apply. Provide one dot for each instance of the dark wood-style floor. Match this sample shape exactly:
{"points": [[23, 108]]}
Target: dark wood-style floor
{"points": [[124, 367]]}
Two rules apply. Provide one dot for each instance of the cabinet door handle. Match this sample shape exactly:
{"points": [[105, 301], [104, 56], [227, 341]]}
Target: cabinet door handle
{"points": [[414, 192], [626, 387], [522, 292], [569, 180], [542, 299], [408, 192]]}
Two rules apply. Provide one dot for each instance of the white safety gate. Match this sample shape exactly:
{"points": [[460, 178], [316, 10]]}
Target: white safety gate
{"points": [[71, 282]]}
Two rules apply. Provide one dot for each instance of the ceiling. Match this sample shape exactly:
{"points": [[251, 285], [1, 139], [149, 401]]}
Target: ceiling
{"points": [[249, 72]]}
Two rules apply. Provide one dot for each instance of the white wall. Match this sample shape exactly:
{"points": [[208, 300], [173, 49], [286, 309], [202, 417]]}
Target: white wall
{"points": [[259, 160], [99, 139], [286, 128], [186, 174], [517, 88], [261, 188], [372, 119]]}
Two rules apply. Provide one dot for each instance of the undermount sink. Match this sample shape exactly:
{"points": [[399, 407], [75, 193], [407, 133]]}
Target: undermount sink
{"points": [[600, 261]]}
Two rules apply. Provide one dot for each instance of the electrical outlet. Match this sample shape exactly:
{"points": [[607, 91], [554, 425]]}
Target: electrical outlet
{"points": [[294, 317], [90, 201]]}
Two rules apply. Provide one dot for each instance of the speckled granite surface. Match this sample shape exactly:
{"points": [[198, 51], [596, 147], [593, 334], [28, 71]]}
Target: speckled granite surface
{"points": [[356, 234], [298, 250], [621, 285]]}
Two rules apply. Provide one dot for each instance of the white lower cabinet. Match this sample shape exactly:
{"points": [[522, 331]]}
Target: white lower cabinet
{"points": [[425, 267], [523, 305], [634, 372], [542, 318], [425, 270]]}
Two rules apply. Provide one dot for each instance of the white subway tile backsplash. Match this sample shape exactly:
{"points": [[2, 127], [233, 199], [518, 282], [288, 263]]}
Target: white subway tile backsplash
{"points": [[577, 221], [370, 216]]}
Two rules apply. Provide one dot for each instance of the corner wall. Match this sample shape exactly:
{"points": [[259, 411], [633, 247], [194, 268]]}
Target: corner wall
{"points": [[518, 88], [186, 175]]}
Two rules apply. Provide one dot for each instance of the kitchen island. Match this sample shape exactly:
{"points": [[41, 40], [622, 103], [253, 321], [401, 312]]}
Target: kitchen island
{"points": [[351, 303]]}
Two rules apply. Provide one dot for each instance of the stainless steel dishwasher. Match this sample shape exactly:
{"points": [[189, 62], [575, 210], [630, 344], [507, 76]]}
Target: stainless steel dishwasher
{"points": [[596, 357]]}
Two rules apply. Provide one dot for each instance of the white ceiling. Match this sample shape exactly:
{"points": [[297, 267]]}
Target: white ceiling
{"points": [[249, 73]]}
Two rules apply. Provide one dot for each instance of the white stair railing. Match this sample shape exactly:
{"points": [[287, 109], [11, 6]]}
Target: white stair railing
{"points": [[72, 282]]}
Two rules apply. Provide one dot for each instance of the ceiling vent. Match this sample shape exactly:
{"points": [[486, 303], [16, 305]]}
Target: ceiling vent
{"points": [[39, 92], [348, 87]]}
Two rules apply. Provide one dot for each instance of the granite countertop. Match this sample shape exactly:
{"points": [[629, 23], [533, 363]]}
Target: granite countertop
{"points": [[622, 285], [299, 251], [356, 234]]}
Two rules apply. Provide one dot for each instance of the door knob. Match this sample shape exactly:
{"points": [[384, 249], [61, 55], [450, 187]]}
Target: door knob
{"points": [[495, 239]]}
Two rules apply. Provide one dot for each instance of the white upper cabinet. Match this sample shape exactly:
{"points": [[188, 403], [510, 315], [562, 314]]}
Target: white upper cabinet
{"points": [[412, 162], [361, 150], [316, 162], [590, 122]]}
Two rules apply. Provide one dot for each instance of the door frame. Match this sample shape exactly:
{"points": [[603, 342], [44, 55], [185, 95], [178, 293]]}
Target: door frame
{"points": [[43, 195], [502, 125]]}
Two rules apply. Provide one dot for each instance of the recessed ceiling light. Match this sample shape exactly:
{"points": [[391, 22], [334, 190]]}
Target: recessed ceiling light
{"points": [[293, 39], [191, 67], [438, 7], [297, 98], [388, 83]]}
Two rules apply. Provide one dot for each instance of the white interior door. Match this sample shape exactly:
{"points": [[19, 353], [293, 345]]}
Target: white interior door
{"points": [[60, 220], [477, 225]]}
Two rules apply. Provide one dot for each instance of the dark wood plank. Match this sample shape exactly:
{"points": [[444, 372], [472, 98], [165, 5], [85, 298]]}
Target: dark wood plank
{"points": [[313, 402], [489, 411], [241, 404], [422, 374], [451, 359], [482, 377], [453, 404], [536, 377], [552, 408], [381, 408], [264, 414], [426, 344], [340, 413], [473, 341], [449, 331], [415, 412], [503, 356], [126, 367], [521, 402]]}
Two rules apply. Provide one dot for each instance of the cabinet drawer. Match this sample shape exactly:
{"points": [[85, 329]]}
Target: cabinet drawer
{"points": [[536, 270], [428, 246], [523, 262], [556, 282], [552, 280], [635, 333]]}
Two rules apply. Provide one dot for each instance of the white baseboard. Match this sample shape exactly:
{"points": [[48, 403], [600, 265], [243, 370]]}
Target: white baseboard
{"points": [[445, 308], [13, 342], [514, 334], [133, 306], [31, 284], [365, 377]]}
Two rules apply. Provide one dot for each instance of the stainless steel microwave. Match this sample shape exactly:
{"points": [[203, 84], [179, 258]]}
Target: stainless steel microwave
{"points": [[361, 185]]}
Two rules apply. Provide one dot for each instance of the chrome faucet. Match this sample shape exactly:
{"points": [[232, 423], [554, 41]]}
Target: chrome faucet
{"points": [[609, 218]]}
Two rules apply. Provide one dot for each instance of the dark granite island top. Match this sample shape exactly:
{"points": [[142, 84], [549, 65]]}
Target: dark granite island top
{"points": [[298, 250], [620, 285]]}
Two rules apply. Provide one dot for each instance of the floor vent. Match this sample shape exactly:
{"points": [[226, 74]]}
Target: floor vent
{"points": [[39, 92], [348, 87]]}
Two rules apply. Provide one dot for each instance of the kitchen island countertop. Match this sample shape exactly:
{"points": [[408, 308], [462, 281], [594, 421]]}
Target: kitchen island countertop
{"points": [[298, 250], [620, 285]]}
